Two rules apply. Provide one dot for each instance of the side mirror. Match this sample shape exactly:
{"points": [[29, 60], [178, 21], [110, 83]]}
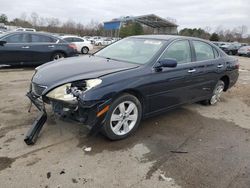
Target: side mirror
{"points": [[2, 42], [166, 63]]}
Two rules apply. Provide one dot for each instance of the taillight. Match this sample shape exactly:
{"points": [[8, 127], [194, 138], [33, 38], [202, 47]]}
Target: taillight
{"points": [[237, 66], [72, 46], [248, 49]]}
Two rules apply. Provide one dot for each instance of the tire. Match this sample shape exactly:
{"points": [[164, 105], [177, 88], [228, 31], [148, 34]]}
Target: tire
{"points": [[218, 89], [85, 50], [119, 125], [230, 53], [57, 55]]}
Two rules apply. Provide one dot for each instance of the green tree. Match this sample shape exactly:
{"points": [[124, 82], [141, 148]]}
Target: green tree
{"points": [[3, 18], [201, 33], [131, 29], [214, 37]]}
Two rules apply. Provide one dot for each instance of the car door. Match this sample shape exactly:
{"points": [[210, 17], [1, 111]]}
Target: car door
{"points": [[208, 56], [78, 42], [171, 87], [43, 47], [16, 50]]}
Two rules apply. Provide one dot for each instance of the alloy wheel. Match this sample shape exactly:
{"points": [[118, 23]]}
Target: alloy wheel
{"points": [[124, 118], [217, 93]]}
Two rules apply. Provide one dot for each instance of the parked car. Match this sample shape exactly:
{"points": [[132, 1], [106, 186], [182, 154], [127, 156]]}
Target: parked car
{"points": [[230, 49], [99, 42], [94, 39], [83, 46], [134, 78], [25, 29], [18, 48], [244, 51], [104, 42]]}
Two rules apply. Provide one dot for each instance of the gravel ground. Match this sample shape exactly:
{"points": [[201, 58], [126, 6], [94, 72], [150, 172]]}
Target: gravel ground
{"points": [[193, 146]]}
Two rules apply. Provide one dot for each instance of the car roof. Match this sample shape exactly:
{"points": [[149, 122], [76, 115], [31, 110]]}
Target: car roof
{"points": [[66, 36], [31, 32], [167, 37]]}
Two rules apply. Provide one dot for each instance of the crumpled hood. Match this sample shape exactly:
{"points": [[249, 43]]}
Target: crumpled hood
{"points": [[67, 70]]}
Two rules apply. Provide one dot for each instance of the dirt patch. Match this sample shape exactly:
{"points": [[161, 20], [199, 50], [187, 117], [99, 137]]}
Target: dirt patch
{"points": [[33, 161], [5, 162], [13, 112], [9, 140], [209, 156]]}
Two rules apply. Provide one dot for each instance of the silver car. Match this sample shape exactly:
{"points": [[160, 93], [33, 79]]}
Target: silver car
{"points": [[244, 50]]}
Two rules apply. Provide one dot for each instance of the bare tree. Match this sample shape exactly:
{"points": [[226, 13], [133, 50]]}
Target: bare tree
{"points": [[34, 18]]}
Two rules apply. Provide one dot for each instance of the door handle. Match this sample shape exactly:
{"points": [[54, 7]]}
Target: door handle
{"points": [[25, 47], [51, 46], [191, 70], [219, 66]]}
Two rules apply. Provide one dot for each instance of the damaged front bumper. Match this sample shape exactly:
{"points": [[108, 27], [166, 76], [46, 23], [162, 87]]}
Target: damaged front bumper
{"points": [[36, 127], [90, 113]]}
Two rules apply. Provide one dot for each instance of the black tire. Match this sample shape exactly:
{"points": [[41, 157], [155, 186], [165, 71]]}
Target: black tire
{"points": [[57, 55], [106, 128], [230, 53], [209, 101], [85, 50]]}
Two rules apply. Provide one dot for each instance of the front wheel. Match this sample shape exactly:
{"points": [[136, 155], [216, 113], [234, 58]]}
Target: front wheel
{"points": [[219, 88], [123, 117]]}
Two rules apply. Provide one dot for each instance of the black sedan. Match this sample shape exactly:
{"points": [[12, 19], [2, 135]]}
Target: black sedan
{"points": [[134, 78], [32, 48]]}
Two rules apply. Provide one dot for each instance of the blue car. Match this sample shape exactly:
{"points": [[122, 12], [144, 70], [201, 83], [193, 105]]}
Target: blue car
{"points": [[134, 78], [32, 48]]}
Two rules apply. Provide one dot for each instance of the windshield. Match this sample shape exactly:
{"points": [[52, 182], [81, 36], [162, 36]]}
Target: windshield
{"points": [[132, 50]]}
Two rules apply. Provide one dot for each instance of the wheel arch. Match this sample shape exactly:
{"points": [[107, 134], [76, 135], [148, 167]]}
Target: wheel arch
{"points": [[226, 81], [85, 47], [59, 51], [135, 93]]}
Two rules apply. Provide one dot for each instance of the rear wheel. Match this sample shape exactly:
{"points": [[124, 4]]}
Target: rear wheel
{"points": [[219, 88], [85, 50], [123, 117], [57, 55]]}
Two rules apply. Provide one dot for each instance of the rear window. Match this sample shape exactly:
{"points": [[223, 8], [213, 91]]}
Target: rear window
{"points": [[216, 53], [203, 51], [41, 39]]}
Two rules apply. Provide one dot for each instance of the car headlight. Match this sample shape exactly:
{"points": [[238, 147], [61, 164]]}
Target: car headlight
{"points": [[70, 91]]}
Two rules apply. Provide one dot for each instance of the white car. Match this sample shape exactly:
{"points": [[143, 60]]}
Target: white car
{"points": [[99, 42], [25, 29], [83, 46], [104, 42]]}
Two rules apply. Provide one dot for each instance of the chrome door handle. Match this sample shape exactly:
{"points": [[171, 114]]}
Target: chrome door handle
{"points": [[219, 66], [52, 46], [191, 70], [25, 47]]}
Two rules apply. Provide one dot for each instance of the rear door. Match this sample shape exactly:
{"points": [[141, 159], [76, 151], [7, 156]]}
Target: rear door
{"points": [[16, 50], [209, 57], [43, 47]]}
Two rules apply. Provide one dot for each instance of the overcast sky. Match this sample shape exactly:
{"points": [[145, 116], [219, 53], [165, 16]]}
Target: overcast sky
{"points": [[188, 13]]}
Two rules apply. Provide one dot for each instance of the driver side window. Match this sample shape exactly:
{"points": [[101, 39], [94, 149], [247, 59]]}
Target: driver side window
{"points": [[180, 51]]}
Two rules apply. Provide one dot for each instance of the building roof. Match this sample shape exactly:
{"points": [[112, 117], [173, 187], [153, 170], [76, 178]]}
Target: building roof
{"points": [[150, 20]]}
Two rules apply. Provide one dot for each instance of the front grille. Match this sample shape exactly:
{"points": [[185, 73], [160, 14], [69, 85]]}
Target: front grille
{"points": [[38, 89]]}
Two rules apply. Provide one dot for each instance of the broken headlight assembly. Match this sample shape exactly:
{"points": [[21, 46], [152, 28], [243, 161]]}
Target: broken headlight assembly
{"points": [[70, 92]]}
